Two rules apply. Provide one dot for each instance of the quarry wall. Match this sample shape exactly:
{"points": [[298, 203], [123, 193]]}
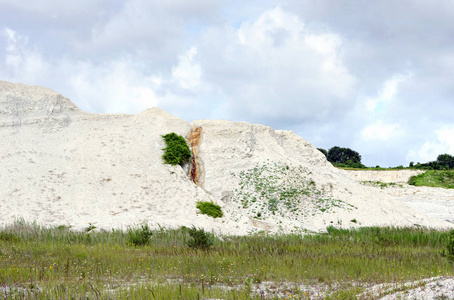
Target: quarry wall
{"points": [[384, 175]]}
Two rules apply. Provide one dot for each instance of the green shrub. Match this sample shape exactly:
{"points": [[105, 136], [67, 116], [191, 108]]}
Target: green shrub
{"points": [[413, 179], [139, 236], [177, 151], [209, 208], [199, 238]]}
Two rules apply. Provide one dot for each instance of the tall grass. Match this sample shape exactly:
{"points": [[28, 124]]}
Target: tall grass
{"points": [[57, 262]]}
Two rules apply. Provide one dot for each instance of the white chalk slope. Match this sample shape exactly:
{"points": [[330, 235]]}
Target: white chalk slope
{"points": [[61, 165]]}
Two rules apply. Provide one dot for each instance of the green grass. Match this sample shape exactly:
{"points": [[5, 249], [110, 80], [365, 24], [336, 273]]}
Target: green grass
{"points": [[45, 263], [444, 179]]}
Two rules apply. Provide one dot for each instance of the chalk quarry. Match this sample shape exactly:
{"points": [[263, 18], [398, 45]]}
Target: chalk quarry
{"points": [[63, 166]]}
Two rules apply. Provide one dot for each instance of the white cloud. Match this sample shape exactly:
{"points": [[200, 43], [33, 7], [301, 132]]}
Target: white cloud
{"points": [[22, 61], [55, 8], [187, 73], [387, 93], [151, 28], [430, 150], [116, 87], [13, 56], [270, 68], [381, 131], [274, 67], [273, 28]]}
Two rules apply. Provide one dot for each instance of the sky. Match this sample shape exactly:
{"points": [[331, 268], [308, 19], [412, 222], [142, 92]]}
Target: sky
{"points": [[373, 76]]}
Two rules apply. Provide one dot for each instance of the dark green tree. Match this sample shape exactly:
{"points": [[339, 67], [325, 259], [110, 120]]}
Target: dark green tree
{"points": [[344, 156], [445, 161]]}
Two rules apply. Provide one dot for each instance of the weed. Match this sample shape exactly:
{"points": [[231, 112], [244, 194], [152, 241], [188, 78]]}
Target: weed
{"points": [[199, 238], [210, 209], [177, 151], [139, 236], [90, 227]]}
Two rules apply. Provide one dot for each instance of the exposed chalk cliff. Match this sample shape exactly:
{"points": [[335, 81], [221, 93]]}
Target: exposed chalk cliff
{"points": [[61, 165], [386, 176], [21, 105]]}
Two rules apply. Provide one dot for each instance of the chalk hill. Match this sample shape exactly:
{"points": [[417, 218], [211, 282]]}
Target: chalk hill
{"points": [[61, 165]]}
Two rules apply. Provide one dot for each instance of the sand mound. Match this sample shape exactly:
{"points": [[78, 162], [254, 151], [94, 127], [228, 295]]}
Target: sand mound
{"points": [[64, 166]]}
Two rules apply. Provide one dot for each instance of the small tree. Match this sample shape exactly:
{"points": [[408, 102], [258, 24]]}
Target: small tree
{"points": [[345, 156]]}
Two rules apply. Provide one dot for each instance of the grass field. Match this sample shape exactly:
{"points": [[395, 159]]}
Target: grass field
{"points": [[54, 263]]}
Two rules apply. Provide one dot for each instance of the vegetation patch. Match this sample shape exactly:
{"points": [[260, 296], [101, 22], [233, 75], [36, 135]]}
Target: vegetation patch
{"points": [[444, 179], [210, 209], [57, 263], [177, 151], [381, 185], [279, 189], [443, 162], [139, 236], [343, 157], [199, 238]]}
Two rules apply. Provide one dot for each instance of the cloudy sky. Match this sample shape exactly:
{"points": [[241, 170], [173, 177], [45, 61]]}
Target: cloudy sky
{"points": [[374, 76]]}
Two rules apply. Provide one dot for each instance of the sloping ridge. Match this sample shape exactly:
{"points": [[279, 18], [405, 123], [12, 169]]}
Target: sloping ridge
{"points": [[107, 170], [21, 104]]}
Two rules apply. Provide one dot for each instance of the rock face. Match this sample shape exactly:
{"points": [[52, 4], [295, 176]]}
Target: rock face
{"points": [[61, 165], [25, 105]]}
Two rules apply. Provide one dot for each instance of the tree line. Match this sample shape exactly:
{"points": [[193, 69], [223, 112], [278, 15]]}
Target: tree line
{"points": [[348, 158], [443, 162]]}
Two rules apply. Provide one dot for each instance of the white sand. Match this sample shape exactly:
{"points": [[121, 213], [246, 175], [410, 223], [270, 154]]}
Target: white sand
{"points": [[61, 165]]}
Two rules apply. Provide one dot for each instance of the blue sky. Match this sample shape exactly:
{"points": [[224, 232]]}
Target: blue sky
{"points": [[375, 76]]}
